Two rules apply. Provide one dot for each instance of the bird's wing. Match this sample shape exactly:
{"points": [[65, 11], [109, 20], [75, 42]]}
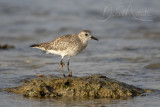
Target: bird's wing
{"points": [[61, 43]]}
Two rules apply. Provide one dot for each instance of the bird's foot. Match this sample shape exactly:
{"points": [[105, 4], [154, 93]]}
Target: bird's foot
{"points": [[39, 75], [64, 75], [70, 74]]}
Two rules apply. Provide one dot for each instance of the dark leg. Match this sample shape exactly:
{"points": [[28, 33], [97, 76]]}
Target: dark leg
{"points": [[61, 66], [70, 72]]}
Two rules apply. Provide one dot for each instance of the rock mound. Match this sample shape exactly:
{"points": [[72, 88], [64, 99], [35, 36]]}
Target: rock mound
{"points": [[95, 86]]}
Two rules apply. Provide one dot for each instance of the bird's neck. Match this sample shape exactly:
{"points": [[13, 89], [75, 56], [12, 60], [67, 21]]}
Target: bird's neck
{"points": [[83, 40]]}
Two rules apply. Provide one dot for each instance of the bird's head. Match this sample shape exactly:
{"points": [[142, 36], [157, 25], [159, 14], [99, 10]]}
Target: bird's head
{"points": [[85, 35]]}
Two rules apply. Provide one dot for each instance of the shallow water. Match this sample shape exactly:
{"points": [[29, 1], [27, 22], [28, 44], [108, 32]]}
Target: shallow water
{"points": [[127, 45]]}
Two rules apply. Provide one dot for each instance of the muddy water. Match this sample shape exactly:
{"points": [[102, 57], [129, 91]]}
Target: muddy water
{"points": [[128, 50]]}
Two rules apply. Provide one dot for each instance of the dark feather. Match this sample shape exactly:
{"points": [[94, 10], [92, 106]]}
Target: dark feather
{"points": [[34, 45]]}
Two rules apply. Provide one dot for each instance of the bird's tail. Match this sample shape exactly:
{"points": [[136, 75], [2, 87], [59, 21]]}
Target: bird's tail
{"points": [[41, 46], [35, 45]]}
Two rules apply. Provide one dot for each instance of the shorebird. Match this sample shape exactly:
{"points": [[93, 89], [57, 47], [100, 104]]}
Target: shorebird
{"points": [[67, 45]]}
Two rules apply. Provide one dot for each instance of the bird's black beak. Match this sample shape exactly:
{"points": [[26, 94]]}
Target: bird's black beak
{"points": [[94, 38]]}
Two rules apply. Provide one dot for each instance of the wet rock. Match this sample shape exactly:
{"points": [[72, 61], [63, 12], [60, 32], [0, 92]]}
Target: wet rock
{"points": [[6, 46], [153, 66], [136, 59], [152, 34], [95, 86]]}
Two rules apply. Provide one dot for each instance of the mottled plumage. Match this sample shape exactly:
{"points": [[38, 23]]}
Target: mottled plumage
{"points": [[67, 45]]}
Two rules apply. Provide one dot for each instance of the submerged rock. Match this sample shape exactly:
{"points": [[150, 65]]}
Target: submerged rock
{"points": [[95, 86], [153, 66]]}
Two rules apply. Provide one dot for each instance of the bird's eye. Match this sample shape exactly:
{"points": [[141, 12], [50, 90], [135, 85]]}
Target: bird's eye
{"points": [[86, 34]]}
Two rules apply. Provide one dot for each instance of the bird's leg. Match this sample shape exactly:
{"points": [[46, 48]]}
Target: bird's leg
{"points": [[70, 72], [61, 63], [61, 66], [68, 66]]}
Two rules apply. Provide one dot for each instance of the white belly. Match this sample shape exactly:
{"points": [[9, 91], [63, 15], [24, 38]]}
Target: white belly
{"points": [[56, 52], [63, 53]]}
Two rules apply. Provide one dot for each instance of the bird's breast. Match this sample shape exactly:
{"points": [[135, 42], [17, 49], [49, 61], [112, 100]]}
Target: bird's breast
{"points": [[75, 49]]}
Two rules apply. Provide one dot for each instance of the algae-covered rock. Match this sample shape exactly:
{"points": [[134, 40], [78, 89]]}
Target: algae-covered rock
{"points": [[95, 86]]}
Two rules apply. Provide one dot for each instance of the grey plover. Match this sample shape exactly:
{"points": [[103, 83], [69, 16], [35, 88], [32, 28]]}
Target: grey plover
{"points": [[67, 45]]}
